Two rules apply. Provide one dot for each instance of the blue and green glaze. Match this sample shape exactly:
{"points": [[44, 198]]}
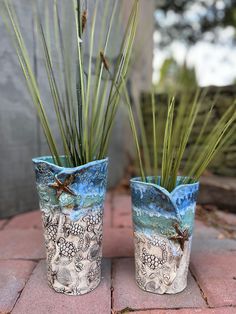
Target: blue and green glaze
{"points": [[163, 226], [71, 201]]}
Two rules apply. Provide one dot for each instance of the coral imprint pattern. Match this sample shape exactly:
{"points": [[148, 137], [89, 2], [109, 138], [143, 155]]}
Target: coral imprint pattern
{"points": [[163, 225], [161, 266], [74, 252], [71, 201]]}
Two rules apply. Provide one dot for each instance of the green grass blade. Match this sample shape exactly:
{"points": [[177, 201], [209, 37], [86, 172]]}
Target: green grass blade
{"points": [[154, 135], [89, 83]]}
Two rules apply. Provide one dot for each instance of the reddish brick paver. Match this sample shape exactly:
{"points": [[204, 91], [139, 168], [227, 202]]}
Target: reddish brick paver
{"points": [[215, 273], [21, 244], [39, 298], [118, 242], [128, 294], [207, 244], [229, 218], [2, 223], [26, 221], [211, 287], [122, 216], [201, 230], [13, 277], [107, 213]]}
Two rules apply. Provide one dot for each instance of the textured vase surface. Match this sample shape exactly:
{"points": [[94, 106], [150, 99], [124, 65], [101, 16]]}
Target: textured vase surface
{"points": [[163, 227], [71, 201]]}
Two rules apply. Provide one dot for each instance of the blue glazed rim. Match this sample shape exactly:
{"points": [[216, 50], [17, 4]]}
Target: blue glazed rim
{"points": [[139, 181], [45, 159], [171, 194]]}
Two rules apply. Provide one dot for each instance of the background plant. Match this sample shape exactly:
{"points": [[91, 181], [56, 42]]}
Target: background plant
{"points": [[172, 127], [85, 89]]}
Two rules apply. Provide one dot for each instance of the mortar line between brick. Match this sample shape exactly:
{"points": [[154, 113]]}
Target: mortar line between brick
{"points": [[201, 290], [155, 309], [112, 288], [20, 292], [170, 309]]}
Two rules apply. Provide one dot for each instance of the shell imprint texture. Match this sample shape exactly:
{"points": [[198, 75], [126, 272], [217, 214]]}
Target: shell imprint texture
{"points": [[163, 226], [71, 201]]}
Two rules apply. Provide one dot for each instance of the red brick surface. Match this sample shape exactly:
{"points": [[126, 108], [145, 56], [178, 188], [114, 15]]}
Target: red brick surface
{"points": [[23, 244], [39, 298], [2, 223], [13, 276], [118, 242], [210, 291], [201, 230], [206, 244], [109, 196], [229, 218], [26, 221], [127, 294], [215, 273], [107, 213], [122, 216]]}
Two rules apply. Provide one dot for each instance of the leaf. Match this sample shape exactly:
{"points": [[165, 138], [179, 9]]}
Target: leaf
{"points": [[82, 103]]}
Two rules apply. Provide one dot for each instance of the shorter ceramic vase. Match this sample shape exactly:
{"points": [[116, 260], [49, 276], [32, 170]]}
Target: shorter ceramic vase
{"points": [[163, 227], [71, 201]]}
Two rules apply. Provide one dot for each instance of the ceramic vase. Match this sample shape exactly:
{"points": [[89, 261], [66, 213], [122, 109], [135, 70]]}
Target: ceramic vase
{"points": [[163, 227], [71, 201]]}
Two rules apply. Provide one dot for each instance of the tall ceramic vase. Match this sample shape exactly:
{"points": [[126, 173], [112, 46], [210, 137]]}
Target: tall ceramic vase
{"points": [[163, 226], [71, 201]]}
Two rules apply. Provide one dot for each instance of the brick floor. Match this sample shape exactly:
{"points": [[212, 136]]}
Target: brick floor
{"points": [[3, 222], [38, 298], [207, 244], [202, 230], [26, 221], [118, 242], [122, 211], [21, 244], [13, 277], [23, 285], [128, 294], [229, 218], [107, 212], [216, 274]]}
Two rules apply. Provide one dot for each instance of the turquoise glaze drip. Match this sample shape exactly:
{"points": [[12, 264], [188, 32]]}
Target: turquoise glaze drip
{"points": [[155, 210], [163, 226], [88, 186], [71, 201]]}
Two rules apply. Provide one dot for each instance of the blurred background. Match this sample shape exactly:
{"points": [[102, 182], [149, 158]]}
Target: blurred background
{"points": [[181, 44]]}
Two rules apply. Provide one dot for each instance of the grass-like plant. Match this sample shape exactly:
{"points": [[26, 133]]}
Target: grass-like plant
{"points": [[85, 96], [172, 154]]}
